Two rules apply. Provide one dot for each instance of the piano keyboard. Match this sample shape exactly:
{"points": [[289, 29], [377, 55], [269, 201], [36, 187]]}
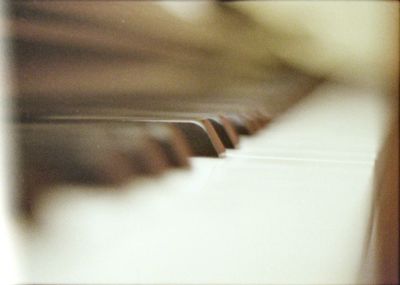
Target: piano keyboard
{"points": [[292, 204], [76, 143], [83, 100], [151, 150]]}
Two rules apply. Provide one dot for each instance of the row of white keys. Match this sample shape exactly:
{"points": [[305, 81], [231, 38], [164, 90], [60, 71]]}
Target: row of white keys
{"points": [[292, 205]]}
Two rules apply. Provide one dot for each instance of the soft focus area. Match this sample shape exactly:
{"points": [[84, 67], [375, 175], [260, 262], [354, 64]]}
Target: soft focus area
{"points": [[199, 142], [355, 41]]}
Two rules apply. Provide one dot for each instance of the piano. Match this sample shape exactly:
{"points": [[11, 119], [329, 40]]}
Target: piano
{"points": [[154, 150]]}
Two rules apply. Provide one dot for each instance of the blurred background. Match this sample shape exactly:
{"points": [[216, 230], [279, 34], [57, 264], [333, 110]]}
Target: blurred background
{"points": [[354, 41], [184, 48], [198, 47]]}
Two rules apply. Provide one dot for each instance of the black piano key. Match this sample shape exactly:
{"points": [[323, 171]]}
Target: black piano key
{"points": [[198, 133], [173, 143], [78, 155]]}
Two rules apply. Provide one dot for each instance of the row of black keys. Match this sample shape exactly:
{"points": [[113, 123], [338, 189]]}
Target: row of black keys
{"points": [[65, 142]]}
